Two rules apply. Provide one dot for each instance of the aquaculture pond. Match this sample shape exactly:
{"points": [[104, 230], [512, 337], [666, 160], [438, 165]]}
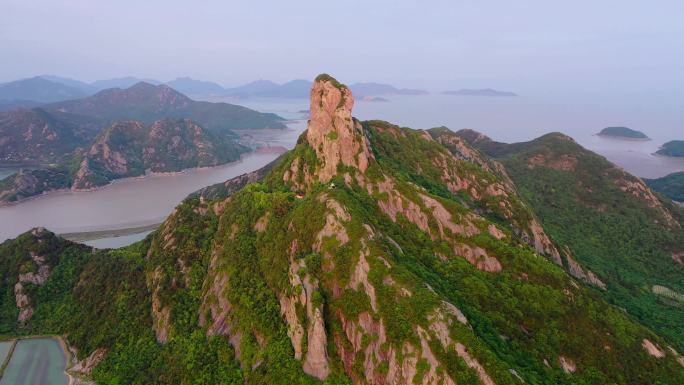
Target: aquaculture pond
{"points": [[39, 361]]}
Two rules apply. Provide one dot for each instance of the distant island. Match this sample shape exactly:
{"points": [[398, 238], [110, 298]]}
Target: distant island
{"points": [[623, 132], [479, 92], [374, 99], [673, 148], [44, 89], [362, 90]]}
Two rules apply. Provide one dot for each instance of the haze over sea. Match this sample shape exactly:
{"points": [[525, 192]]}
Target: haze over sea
{"points": [[525, 117]]}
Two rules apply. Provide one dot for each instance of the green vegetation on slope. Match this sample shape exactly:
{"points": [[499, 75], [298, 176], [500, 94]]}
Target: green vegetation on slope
{"points": [[671, 185], [583, 203]]}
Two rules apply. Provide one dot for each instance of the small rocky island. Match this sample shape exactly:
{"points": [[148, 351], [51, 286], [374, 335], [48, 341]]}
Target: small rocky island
{"points": [[674, 148], [623, 133]]}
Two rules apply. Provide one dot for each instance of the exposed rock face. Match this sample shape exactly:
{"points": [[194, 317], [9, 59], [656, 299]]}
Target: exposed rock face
{"points": [[678, 258], [332, 132], [130, 148], [36, 278], [459, 179], [564, 162], [114, 153], [28, 183], [160, 314], [576, 271], [567, 364], [86, 365], [652, 349], [39, 136], [638, 189]]}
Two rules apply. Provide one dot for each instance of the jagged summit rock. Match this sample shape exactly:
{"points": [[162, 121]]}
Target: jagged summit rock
{"points": [[333, 133]]}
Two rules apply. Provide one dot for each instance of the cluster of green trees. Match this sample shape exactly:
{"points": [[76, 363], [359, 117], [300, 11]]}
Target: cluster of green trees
{"points": [[622, 238]]}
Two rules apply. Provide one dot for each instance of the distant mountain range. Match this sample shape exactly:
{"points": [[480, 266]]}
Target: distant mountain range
{"points": [[147, 102], [6, 105], [49, 88], [52, 132], [361, 90], [479, 92], [39, 90], [301, 89]]}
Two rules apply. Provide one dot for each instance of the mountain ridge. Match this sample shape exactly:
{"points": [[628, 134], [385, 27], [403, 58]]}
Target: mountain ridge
{"points": [[368, 254], [39, 90], [147, 102]]}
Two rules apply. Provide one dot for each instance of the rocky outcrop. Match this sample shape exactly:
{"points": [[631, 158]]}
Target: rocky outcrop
{"points": [[86, 365], [576, 271], [37, 277], [332, 132], [564, 162], [652, 348], [678, 258], [29, 183], [567, 364], [490, 185], [130, 148], [316, 357], [39, 136], [215, 303], [161, 315]]}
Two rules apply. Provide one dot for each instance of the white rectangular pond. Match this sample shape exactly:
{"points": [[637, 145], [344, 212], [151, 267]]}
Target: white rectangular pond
{"points": [[5, 347], [39, 361]]}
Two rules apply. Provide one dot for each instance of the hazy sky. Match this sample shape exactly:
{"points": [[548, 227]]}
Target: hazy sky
{"points": [[627, 46]]}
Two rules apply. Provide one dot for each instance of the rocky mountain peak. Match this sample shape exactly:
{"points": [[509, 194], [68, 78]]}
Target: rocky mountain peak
{"points": [[335, 136]]}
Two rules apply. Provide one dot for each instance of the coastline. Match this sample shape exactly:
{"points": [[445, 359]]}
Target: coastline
{"points": [[83, 236], [129, 179], [626, 138], [667, 156], [148, 175]]}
